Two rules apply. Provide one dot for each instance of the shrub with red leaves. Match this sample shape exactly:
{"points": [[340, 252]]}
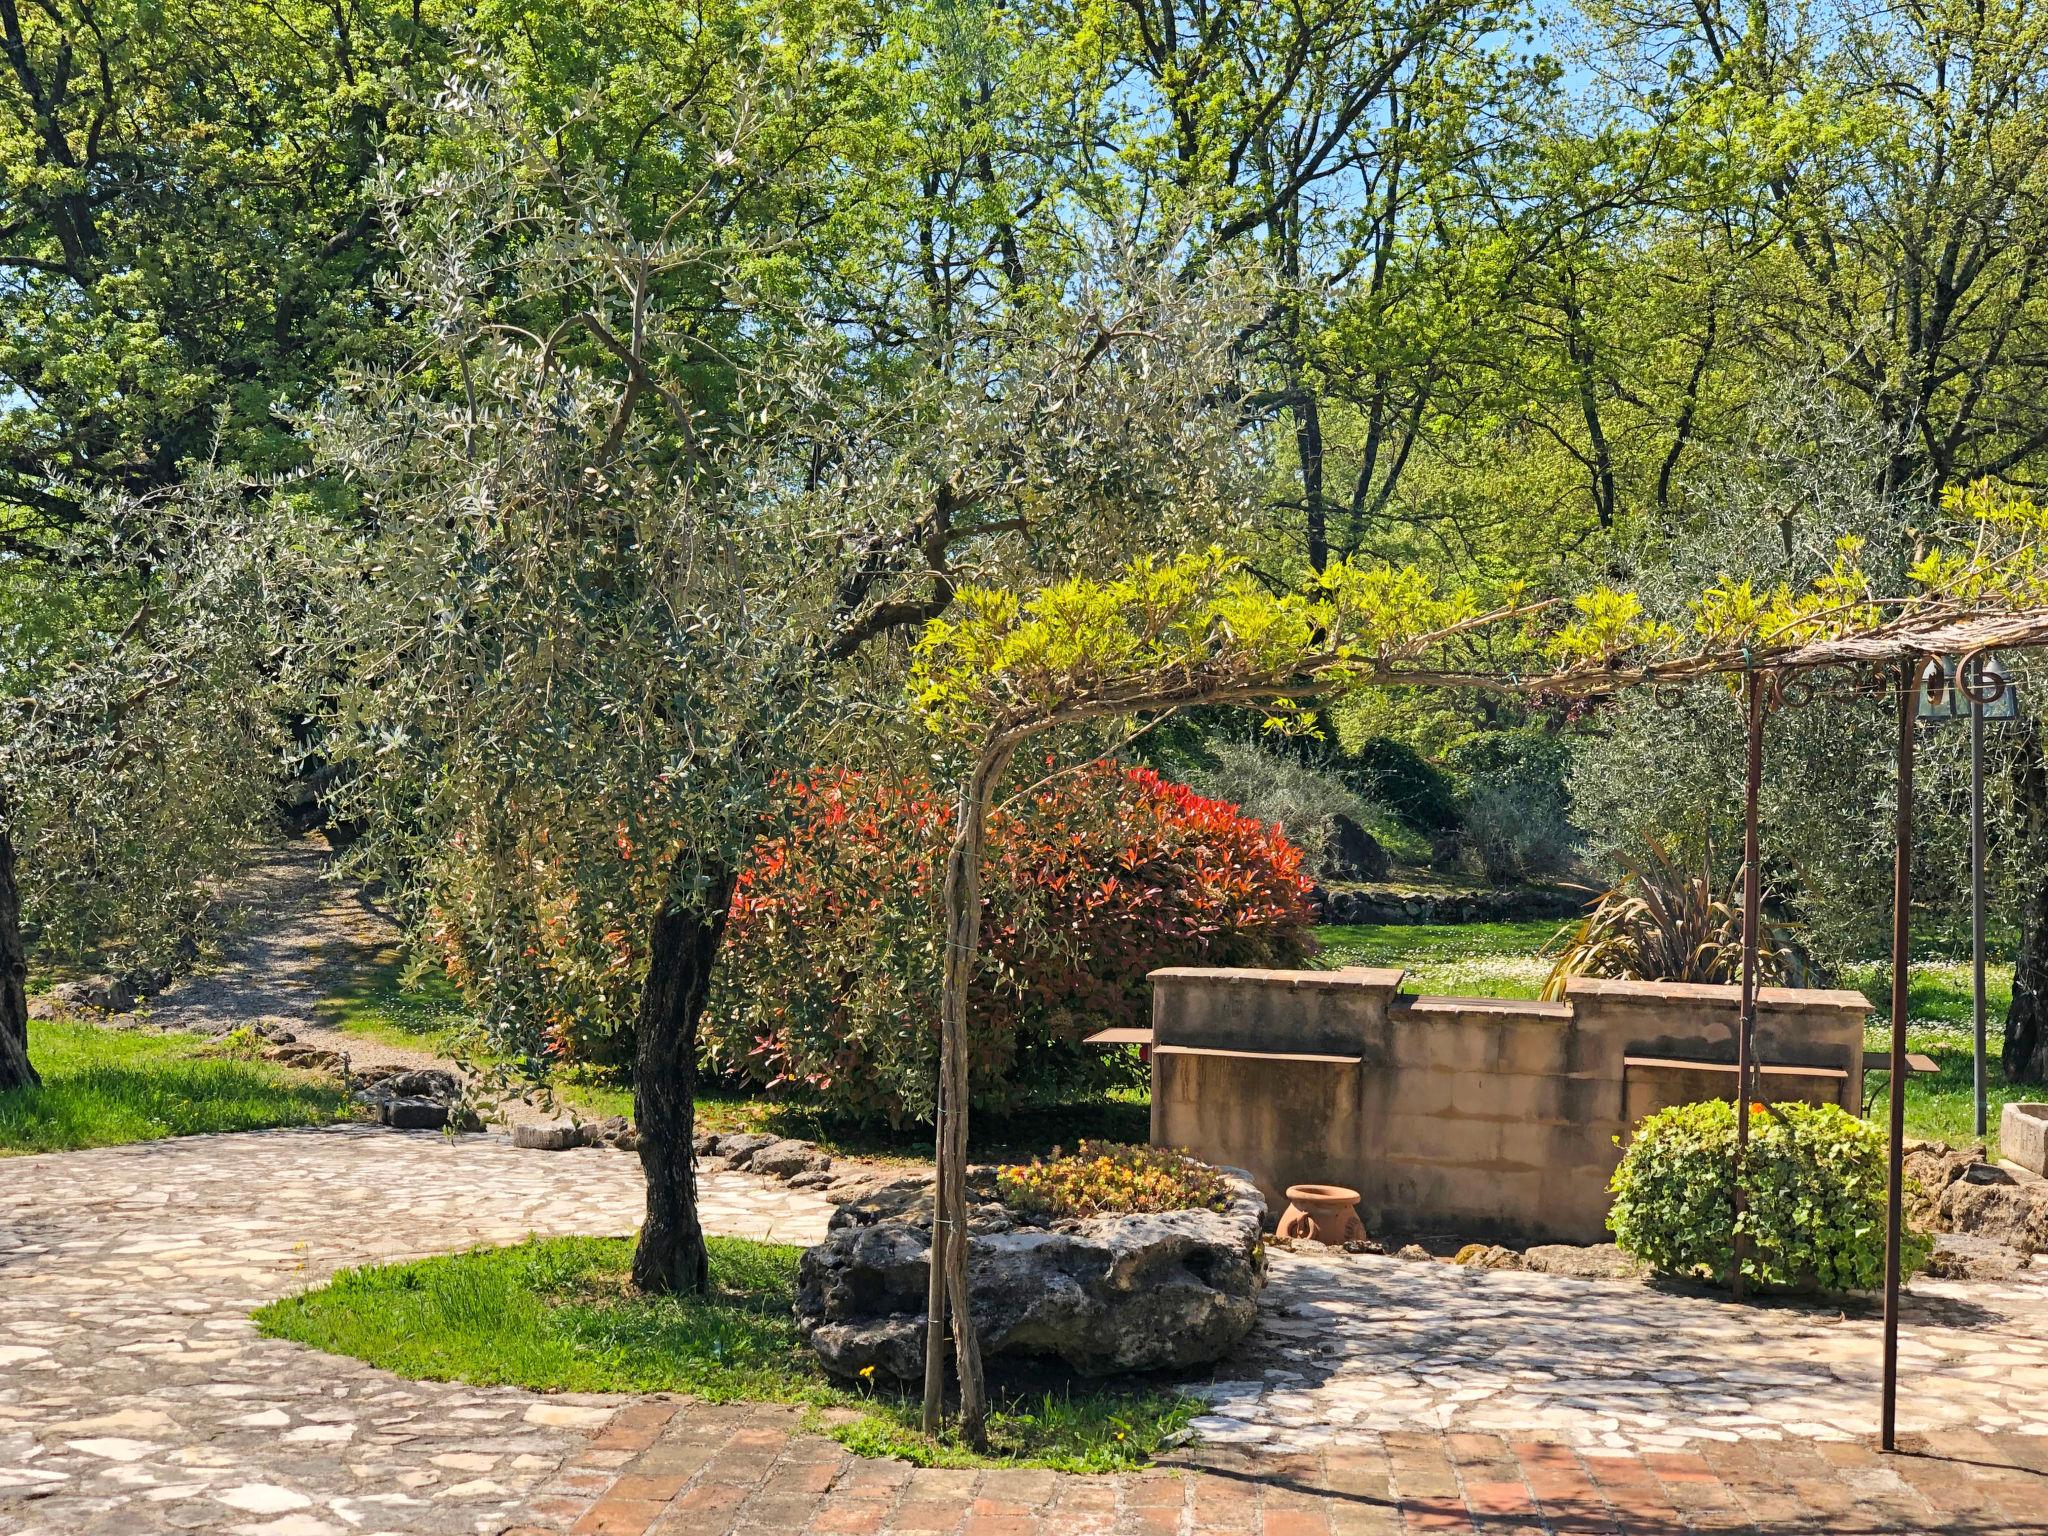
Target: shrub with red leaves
{"points": [[828, 987]]}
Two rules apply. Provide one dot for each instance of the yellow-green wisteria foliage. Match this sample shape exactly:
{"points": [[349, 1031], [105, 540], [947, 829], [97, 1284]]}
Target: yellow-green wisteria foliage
{"points": [[1198, 628], [1203, 628]]}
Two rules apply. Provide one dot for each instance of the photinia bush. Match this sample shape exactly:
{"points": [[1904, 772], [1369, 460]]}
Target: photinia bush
{"points": [[1815, 1209], [829, 978], [548, 951]]}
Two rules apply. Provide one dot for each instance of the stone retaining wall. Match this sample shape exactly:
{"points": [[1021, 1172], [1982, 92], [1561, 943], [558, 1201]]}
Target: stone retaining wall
{"points": [[1394, 905], [1489, 1118]]}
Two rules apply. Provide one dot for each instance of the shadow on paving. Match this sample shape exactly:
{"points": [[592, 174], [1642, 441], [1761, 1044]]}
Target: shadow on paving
{"points": [[1613, 1511], [1384, 1339]]}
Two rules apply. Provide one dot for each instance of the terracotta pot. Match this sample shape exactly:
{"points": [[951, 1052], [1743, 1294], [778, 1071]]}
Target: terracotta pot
{"points": [[1322, 1213]]}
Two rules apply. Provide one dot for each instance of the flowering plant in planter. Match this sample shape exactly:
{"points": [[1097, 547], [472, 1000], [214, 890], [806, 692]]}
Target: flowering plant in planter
{"points": [[1104, 1178]]}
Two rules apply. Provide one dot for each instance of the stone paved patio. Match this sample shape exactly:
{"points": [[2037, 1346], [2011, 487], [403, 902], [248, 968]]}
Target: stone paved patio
{"points": [[1349, 1345], [135, 1396]]}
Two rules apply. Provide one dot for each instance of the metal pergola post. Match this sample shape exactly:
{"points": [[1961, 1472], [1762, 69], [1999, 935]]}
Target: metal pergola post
{"points": [[1752, 900], [1973, 690], [1902, 898]]}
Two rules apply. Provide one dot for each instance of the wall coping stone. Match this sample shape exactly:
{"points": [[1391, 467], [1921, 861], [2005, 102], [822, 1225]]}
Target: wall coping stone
{"points": [[1506, 1007], [1653, 992], [1600, 990], [1363, 977]]}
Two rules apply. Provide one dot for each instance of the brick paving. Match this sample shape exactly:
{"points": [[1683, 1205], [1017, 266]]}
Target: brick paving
{"points": [[677, 1467]]}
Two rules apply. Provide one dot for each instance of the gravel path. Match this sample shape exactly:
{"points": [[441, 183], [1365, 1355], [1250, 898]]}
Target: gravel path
{"points": [[294, 938]]}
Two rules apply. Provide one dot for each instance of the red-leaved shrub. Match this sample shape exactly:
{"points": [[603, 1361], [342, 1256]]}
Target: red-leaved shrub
{"points": [[828, 981]]}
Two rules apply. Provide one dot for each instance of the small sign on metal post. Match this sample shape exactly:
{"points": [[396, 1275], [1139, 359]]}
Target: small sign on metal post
{"points": [[1946, 694], [1973, 688]]}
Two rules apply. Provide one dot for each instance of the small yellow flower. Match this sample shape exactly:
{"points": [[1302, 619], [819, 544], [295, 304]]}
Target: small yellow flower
{"points": [[867, 1370]]}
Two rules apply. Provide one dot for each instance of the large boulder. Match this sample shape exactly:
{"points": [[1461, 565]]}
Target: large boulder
{"points": [[103, 994], [1103, 1294], [1352, 853], [2002, 1209], [788, 1159]]}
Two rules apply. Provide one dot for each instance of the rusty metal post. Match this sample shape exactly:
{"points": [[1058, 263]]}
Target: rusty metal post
{"points": [[1902, 899], [1752, 902], [1973, 691]]}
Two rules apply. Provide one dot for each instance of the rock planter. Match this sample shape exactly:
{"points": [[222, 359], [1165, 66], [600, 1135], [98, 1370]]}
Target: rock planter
{"points": [[1100, 1294]]}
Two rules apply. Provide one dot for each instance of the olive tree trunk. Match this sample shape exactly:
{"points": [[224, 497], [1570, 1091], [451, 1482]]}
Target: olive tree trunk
{"points": [[2025, 1055], [683, 945], [948, 1283], [16, 1071]]}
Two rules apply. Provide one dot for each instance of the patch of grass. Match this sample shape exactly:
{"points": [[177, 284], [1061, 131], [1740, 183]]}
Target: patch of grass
{"points": [[1938, 991], [1455, 959], [424, 1013], [103, 1087], [1404, 845], [558, 1314], [1942, 1105]]}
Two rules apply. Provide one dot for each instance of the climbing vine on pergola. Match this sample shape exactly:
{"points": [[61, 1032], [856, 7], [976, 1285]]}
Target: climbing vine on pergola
{"points": [[998, 671]]}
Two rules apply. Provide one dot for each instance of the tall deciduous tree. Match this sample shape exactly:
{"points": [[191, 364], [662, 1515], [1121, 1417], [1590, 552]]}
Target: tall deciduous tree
{"points": [[1336, 142], [186, 229]]}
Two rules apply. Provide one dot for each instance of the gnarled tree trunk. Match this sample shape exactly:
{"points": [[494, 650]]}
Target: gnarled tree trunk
{"points": [[16, 1071], [683, 944], [2025, 1055], [949, 1289]]}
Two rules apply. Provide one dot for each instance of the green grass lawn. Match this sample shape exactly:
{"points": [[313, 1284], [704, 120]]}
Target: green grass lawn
{"points": [[423, 1013], [1943, 1104], [558, 1314], [102, 1087], [1455, 959]]}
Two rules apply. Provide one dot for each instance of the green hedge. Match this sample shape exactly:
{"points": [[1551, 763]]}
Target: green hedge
{"points": [[1816, 1198]]}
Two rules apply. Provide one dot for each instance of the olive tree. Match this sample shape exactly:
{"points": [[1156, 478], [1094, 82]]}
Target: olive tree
{"points": [[635, 520], [139, 745]]}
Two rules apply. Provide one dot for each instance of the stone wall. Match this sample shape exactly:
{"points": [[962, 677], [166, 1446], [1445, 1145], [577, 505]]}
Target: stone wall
{"points": [[1488, 1118], [1388, 904]]}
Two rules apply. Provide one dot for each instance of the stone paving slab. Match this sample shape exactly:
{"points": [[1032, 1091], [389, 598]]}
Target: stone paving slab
{"points": [[136, 1397], [1351, 1346], [682, 1468]]}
